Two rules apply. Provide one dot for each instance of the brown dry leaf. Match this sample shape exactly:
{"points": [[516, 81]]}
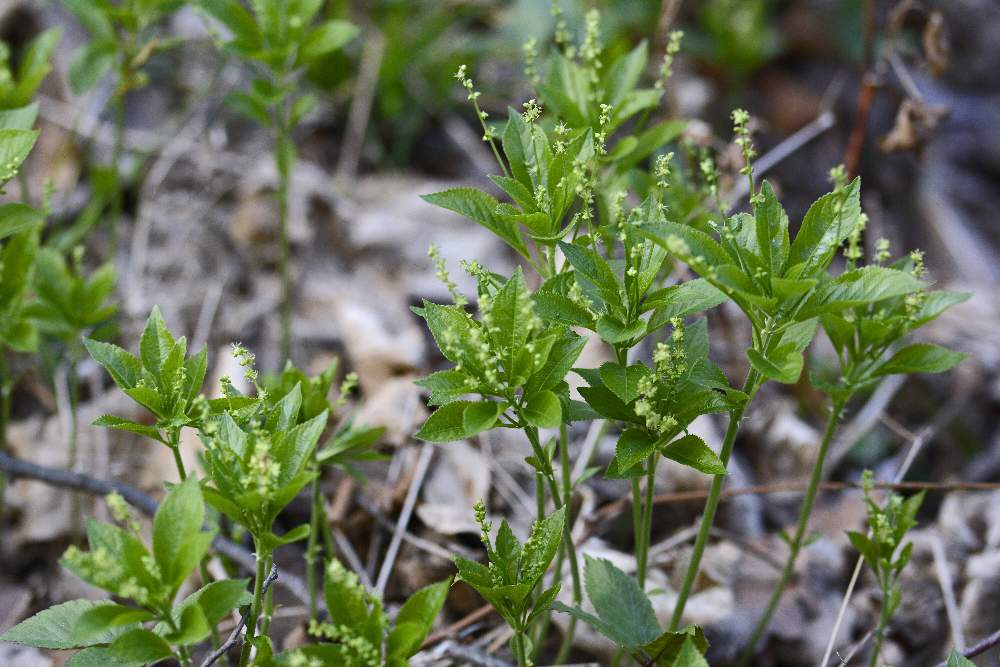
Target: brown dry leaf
{"points": [[915, 122], [935, 42]]}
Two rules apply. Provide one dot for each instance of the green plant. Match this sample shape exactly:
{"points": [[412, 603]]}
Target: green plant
{"points": [[866, 339], [884, 552], [603, 266], [153, 626], [67, 304], [124, 37], [19, 85], [279, 40], [358, 632], [514, 572], [162, 379], [626, 617], [19, 225]]}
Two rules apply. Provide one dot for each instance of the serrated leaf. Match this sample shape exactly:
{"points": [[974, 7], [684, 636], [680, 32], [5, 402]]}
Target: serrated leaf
{"points": [[326, 38], [94, 624], [177, 520], [111, 421], [53, 627], [482, 208], [634, 445], [620, 604], [543, 410], [623, 381], [141, 645], [868, 284], [692, 451], [781, 365], [446, 424], [956, 659], [827, 223], [920, 358], [667, 648], [613, 331], [481, 416]]}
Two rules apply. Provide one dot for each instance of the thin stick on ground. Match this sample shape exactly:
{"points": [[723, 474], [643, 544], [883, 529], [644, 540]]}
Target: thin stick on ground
{"points": [[426, 452]]}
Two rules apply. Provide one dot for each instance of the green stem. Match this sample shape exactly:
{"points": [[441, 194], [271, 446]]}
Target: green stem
{"points": [[283, 161], [712, 503], [557, 500], [117, 193], [265, 621], [520, 654], [800, 532], [175, 447], [647, 521], [73, 389], [312, 547], [566, 645], [883, 623], [255, 607]]}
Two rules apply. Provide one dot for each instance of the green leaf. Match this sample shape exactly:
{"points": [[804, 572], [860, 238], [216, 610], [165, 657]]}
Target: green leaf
{"points": [[689, 297], [828, 222], [541, 547], [445, 386], [326, 38], [20, 118], [141, 645], [866, 547], [14, 148], [956, 659], [620, 604], [634, 445], [667, 648], [624, 382], [481, 416], [99, 656], [35, 65], [418, 613], [446, 424], [860, 286], [94, 625], [177, 521], [694, 453], [218, 598], [482, 208], [772, 231], [564, 353], [91, 64], [156, 342], [783, 364], [516, 147], [193, 627], [690, 656], [53, 627], [543, 410], [592, 273], [613, 331], [555, 307], [16, 218], [688, 244], [111, 421], [920, 358]]}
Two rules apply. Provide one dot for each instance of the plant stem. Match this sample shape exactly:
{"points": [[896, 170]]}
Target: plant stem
{"points": [[883, 623], [712, 502], [800, 531], [519, 650], [566, 645], [265, 621], [283, 161], [557, 500], [312, 547], [642, 554], [175, 447], [117, 193], [255, 607]]}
